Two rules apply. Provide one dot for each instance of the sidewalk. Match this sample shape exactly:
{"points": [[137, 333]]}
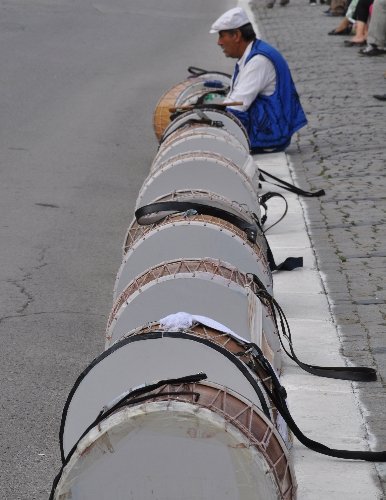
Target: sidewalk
{"points": [[336, 304]]}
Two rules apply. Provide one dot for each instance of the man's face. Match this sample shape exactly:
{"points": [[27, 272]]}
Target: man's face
{"points": [[229, 42]]}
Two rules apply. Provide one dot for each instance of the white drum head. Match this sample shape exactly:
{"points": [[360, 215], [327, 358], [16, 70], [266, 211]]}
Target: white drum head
{"points": [[189, 129], [197, 171], [228, 121], [143, 359], [177, 447], [199, 143], [202, 141], [201, 287], [198, 236]]}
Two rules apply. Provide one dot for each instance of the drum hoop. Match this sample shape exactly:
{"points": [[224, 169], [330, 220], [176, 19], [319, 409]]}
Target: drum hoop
{"points": [[196, 156], [240, 209], [128, 339], [137, 231], [190, 135], [186, 266], [159, 158], [190, 131], [222, 339], [184, 92], [221, 112], [224, 409], [200, 128], [234, 409]]}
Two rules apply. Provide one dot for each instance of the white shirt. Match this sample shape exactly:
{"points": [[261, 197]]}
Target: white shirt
{"points": [[257, 77]]}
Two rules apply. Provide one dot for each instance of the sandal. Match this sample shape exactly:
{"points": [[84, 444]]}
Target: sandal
{"points": [[345, 31], [349, 43]]}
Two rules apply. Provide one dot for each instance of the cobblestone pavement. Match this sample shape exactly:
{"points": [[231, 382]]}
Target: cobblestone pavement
{"points": [[343, 150]]}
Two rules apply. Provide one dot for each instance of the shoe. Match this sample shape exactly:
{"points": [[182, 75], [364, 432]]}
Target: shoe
{"points": [[270, 5], [380, 97], [349, 43], [372, 50], [333, 13], [312, 2], [344, 32], [282, 3]]}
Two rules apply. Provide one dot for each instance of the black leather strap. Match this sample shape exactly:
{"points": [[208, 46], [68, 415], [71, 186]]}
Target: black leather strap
{"points": [[250, 229], [194, 71], [278, 396], [192, 121], [354, 373], [263, 203], [290, 187]]}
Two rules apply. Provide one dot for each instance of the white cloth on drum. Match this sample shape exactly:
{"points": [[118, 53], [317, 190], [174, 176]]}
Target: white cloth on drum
{"points": [[183, 320]]}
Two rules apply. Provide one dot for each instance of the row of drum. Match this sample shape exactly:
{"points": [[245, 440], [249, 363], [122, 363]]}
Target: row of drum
{"points": [[181, 404]]}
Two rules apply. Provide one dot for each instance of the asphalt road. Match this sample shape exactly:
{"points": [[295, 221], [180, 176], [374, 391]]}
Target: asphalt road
{"points": [[78, 85]]}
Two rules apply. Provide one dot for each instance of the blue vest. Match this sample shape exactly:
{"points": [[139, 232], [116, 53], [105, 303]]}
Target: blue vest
{"points": [[271, 121]]}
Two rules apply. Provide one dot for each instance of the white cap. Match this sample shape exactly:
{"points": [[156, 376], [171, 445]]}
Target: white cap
{"points": [[230, 20]]}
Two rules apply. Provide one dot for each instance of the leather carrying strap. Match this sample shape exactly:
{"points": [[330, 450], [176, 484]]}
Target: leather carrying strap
{"points": [[185, 206], [194, 71], [250, 229], [290, 187], [354, 373], [203, 120], [278, 396]]}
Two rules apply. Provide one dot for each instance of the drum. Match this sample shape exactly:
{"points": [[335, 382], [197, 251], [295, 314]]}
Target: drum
{"points": [[209, 330], [182, 94], [196, 171], [151, 354], [201, 139], [194, 236], [196, 142], [211, 117], [199, 128], [204, 287], [181, 441]]}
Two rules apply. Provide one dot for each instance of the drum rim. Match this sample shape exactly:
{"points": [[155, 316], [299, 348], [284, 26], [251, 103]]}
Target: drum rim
{"points": [[161, 153], [244, 369], [184, 267], [181, 159], [207, 220], [286, 482], [187, 130], [220, 111]]}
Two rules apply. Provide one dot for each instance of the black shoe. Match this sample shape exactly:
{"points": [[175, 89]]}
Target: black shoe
{"points": [[312, 2], [349, 43], [380, 97], [333, 13], [344, 32], [372, 50]]}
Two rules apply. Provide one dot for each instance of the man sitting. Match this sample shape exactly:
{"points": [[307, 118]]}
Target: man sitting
{"points": [[271, 110]]}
